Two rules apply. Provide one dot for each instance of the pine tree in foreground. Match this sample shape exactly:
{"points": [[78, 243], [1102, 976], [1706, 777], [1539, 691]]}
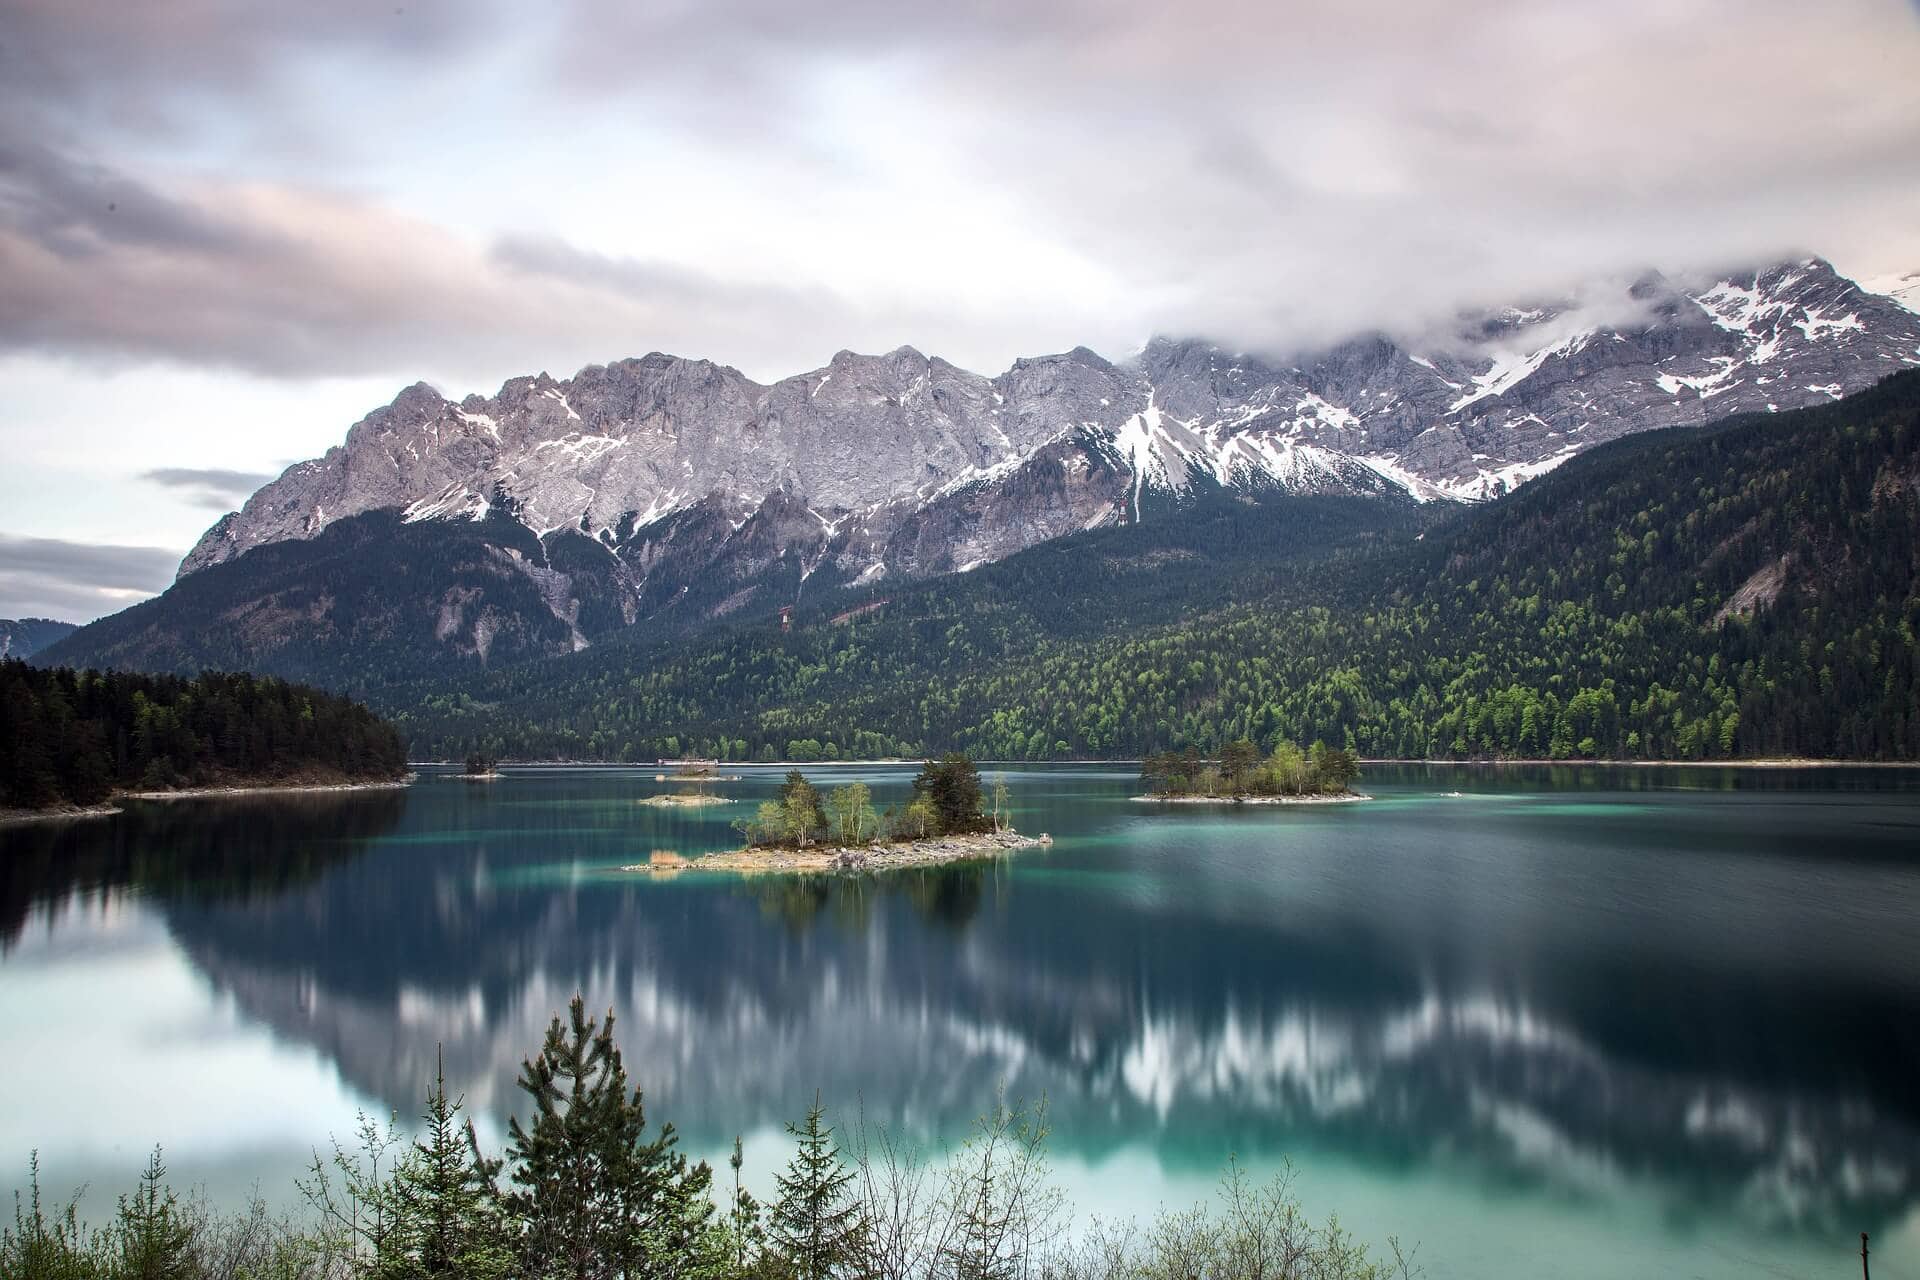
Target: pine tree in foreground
{"points": [[445, 1199], [155, 1237], [817, 1223], [597, 1199]]}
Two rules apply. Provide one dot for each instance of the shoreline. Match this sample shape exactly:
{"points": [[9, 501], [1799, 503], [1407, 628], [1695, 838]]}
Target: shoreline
{"points": [[1771, 762], [289, 788], [75, 813], [1352, 797], [65, 813], [839, 859], [682, 802]]}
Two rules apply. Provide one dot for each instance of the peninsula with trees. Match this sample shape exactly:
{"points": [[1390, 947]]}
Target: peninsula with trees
{"points": [[952, 817], [71, 741], [1240, 774]]}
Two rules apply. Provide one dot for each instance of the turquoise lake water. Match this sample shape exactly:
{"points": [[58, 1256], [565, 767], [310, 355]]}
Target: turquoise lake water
{"points": [[1567, 1022]]}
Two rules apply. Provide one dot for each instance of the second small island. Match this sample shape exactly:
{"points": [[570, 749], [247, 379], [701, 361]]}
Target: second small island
{"points": [[1240, 774], [951, 818]]}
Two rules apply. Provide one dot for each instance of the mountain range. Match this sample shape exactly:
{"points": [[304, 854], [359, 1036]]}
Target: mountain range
{"points": [[657, 495]]}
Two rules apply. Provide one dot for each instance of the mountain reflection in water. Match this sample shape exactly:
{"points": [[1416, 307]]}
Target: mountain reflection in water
{"points": [[1576, 984]]}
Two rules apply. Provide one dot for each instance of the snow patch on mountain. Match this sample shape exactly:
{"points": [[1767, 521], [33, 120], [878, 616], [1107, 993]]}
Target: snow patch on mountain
{"points": [[903, 464]]}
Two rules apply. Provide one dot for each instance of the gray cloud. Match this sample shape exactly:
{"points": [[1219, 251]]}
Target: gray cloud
{"points": [[211, 487], [1268, 175], [75, 581], [133, 65]]}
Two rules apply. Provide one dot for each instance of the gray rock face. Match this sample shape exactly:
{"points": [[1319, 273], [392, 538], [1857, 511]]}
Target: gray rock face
{"points": [[901, 464]]}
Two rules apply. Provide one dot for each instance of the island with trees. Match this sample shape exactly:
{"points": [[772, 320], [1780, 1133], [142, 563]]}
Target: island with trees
{"points": [[1240, 774], [952, 817], [71, 741]]}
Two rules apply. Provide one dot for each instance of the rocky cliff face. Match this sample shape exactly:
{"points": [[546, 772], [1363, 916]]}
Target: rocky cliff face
{"points": [[907, 464], [670, 491]]}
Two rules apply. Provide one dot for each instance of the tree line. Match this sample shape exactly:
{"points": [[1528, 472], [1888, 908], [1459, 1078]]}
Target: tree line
{"points": [[589, 1188], [76, 737]]}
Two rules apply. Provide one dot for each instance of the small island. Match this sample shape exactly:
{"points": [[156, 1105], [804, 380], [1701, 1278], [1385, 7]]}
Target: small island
{"points": [[802, 832], [1239, 774], [694, 777], [481, 767]]}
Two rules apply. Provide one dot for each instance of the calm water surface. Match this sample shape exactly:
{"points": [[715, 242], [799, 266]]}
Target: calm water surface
{"points": [[1546, 1023]]}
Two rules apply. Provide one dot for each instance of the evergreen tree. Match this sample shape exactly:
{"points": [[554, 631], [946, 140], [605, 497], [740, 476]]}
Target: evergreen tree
{"points": [[952, 785], [596, 1198], [43, 1245], [746, 1232], [817, 1223], [446, 1201], [154, 1238]]}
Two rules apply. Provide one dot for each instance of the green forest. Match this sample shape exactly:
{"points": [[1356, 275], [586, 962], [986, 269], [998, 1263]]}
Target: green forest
{"points": [[1743, 590], [76, 737], [589, 1188], [1240, 770]]}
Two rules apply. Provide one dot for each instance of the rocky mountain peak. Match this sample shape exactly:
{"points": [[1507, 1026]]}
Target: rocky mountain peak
{"points": [[900, 445]]}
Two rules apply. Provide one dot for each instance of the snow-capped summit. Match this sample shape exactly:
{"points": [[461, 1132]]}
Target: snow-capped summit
{"points": [[903, 464]]}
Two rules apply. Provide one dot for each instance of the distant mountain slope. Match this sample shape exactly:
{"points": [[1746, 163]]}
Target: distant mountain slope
{"points": [[1752, 589], [24, 637], [654, 496]]}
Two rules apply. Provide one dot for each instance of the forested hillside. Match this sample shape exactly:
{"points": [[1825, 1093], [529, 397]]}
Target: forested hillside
{"points": [[1747, 589], [75, 737]]}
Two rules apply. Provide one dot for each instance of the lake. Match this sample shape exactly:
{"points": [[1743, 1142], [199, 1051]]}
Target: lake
{"points": [[1568, 1022]]}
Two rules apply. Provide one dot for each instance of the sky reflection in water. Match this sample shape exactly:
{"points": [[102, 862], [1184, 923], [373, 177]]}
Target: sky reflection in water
{"points": [[1594, 1021]]}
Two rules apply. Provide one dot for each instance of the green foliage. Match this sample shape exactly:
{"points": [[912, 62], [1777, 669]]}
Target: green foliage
{"points": [[596, 1197], [1239, 770], [445, 1201], [801, 818], [593, 1197], [952, 786], [854, 821], [816, 1224], [74, 737], [154, 1236]]}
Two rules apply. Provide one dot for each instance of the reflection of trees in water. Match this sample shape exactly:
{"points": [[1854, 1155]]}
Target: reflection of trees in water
{"points": [[227, 850], [1208, 1034], [948, 896]]}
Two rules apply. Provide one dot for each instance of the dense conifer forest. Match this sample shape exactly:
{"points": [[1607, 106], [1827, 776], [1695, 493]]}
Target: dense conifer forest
{"points": [[75, 737], [1750, 589]]}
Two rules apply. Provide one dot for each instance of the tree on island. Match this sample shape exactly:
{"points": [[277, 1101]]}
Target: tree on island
{"points": [[800, 812], [854, 820], [947, 800], [480, 763], [952, 786], [1239, 770]]}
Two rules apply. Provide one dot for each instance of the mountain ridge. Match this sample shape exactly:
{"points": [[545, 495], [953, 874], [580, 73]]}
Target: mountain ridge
{"points": [[867, 441], [660, 494]]}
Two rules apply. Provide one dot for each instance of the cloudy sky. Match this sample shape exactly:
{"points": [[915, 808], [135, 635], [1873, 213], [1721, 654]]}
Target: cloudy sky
{"points": [[229, 227]]}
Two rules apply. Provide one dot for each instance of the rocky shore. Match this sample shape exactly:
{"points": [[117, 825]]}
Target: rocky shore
{"points": [[825, 858]]}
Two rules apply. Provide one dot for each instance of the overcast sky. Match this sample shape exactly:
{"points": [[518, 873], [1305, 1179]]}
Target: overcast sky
{"points": [[228, 228]]}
